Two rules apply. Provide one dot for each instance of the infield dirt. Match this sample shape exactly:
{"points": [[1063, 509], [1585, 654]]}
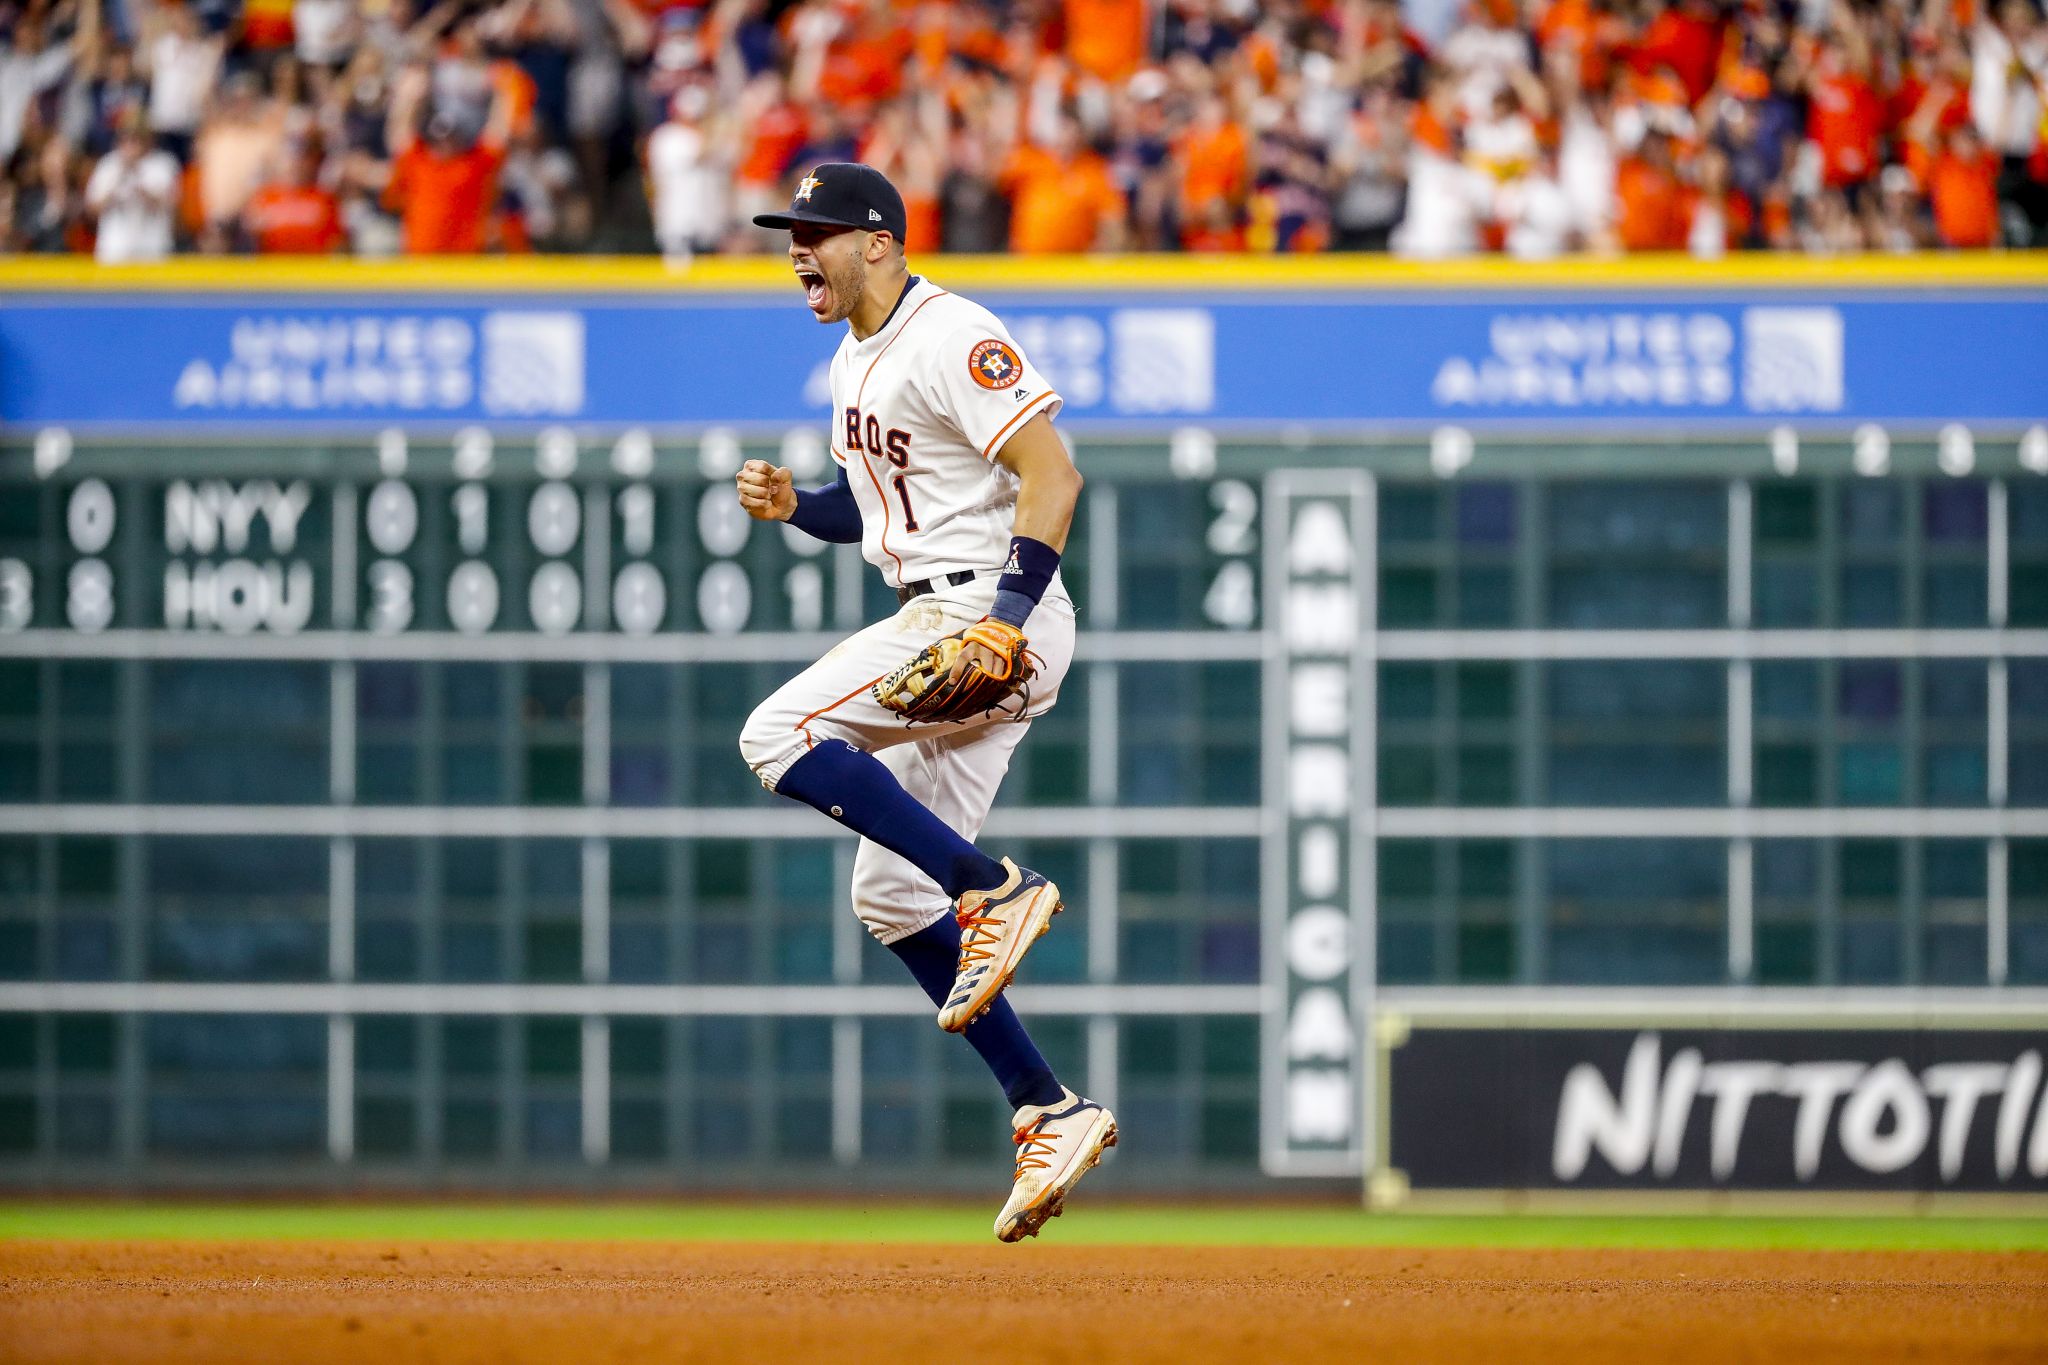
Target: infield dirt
{"points": [[393, 1303]]}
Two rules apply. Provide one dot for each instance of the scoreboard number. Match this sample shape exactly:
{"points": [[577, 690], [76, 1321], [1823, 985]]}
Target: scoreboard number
{"points": [[392, 517], [554, 518], [17, 596], [472, 597], [636, 518], [89, 596], [472, 517], [390, 597], [89, 516], [725, 598], [639, 599], [554, 599]]}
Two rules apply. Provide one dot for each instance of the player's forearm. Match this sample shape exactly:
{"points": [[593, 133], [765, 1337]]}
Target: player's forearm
{"points": [[1045, 505], [829, 513]]}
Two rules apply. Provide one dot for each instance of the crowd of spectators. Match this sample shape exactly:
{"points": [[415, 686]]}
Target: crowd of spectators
{"points": [[139, 127]]}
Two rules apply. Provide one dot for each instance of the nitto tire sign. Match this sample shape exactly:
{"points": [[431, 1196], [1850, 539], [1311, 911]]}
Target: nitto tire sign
{"points": [[1699, 1109]]}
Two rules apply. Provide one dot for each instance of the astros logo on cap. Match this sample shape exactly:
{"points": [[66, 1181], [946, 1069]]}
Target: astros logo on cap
{"points": [[803, 191], [994, 365]]}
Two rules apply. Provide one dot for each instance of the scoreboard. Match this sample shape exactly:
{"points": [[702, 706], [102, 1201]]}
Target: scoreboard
{"points": [[376, 797], [475, 535]]}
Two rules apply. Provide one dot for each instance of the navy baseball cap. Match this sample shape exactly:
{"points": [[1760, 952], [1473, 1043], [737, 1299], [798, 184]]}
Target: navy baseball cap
{"points": [[843, 194]]}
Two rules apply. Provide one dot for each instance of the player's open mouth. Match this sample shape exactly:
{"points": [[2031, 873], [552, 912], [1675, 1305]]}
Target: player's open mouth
{"points": [[814, 286]]}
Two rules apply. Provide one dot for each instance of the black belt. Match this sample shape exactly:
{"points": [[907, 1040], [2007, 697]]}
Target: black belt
{"points": [[924, 585]]}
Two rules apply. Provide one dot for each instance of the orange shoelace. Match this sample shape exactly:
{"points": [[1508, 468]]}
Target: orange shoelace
{"points": [[985, 930], [1033, 1146]]}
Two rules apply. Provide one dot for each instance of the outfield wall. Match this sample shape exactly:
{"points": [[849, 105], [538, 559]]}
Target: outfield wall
{"points": [[372, 637]]}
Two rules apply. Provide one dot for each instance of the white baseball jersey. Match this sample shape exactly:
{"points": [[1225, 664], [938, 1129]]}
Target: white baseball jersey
{"points": [[923, 406]]}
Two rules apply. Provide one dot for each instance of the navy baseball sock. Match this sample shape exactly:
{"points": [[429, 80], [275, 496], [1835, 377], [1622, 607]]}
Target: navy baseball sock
{"points": [[931, 954], [856, 790]]}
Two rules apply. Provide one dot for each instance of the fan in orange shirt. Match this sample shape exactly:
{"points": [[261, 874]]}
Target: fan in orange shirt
{"points": [[291, 214], [1652, 210], [1061, 198], [1844, 114], [1214, 162], [1106, 38], [1962, 188], [444, 192]]}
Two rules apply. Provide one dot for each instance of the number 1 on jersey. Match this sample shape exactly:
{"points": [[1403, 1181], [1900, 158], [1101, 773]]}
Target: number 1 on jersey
{"points": [[903, 493]]}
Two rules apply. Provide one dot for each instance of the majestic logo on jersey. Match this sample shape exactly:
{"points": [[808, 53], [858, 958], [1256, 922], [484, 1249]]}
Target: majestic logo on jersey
{"points": [[803, 190], [994, 365]]}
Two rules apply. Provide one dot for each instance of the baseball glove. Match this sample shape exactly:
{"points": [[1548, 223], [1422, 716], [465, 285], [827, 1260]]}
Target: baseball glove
{"points": [[925, 689]]}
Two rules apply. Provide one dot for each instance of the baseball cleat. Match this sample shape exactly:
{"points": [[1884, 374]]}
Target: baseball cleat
{"points": [[997, 927], [1057, 1144]]}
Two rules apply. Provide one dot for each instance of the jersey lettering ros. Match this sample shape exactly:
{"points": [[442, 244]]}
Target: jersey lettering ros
{"points": [[923, 406]]}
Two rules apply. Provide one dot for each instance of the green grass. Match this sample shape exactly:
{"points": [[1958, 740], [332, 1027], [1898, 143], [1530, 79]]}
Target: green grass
{"points": [[1248, 1225]]}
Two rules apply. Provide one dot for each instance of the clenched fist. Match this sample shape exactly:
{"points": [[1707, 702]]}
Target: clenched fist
{"points": [[768, 493]]}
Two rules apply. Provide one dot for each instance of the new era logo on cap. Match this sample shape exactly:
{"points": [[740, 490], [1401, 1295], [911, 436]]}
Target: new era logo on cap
{"points": [[874, 217]]}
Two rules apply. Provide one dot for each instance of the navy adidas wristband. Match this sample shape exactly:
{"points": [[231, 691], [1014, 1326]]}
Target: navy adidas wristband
{"points": [[1024, 579]]}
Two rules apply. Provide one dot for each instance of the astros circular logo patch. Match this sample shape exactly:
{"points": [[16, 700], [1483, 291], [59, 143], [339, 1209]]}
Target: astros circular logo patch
{"points": [[994, 365]]}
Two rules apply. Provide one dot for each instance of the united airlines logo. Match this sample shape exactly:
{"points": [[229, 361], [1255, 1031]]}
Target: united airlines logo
{"points": [[1792, 359], [533, 364]]}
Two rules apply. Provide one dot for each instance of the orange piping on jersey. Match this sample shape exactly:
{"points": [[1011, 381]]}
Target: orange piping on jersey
{"points": [[859, 399], [836, 455], [1022, 413], [883, 498], [805, 724]]}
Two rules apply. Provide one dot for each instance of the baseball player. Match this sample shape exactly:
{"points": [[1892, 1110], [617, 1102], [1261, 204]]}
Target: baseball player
{"points": [[957, 488]]}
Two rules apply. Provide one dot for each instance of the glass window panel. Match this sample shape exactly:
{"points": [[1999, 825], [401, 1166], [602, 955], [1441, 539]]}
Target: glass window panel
{"points": [[1485, 775], [1787, 514], [1786, 776], [1871, 595], [1668, 516], [2027, 933], [1869, 689], [1407, 598], [471, 692], [1636, 690], [237, 909], [1639, 911], [1955, 512], [1871, 774], [1407, 514], [553, 1049], [388, 691], [2027, 594], [1787, 595], [251, 731], [1871, 513], [1486, 513], [1407, 867], [1486, 597], [85, 689], [1599, 598], [1485, 868], [1407, 691], [1953, 689], [21, 689], [1955, 595], [1485, 691], [1636, 773], [2027, 514], [1407, 774], [1786, 689]]}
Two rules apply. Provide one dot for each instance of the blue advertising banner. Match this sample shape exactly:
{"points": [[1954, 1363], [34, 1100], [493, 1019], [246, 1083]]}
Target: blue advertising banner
{"points": [[1329, 360]]}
